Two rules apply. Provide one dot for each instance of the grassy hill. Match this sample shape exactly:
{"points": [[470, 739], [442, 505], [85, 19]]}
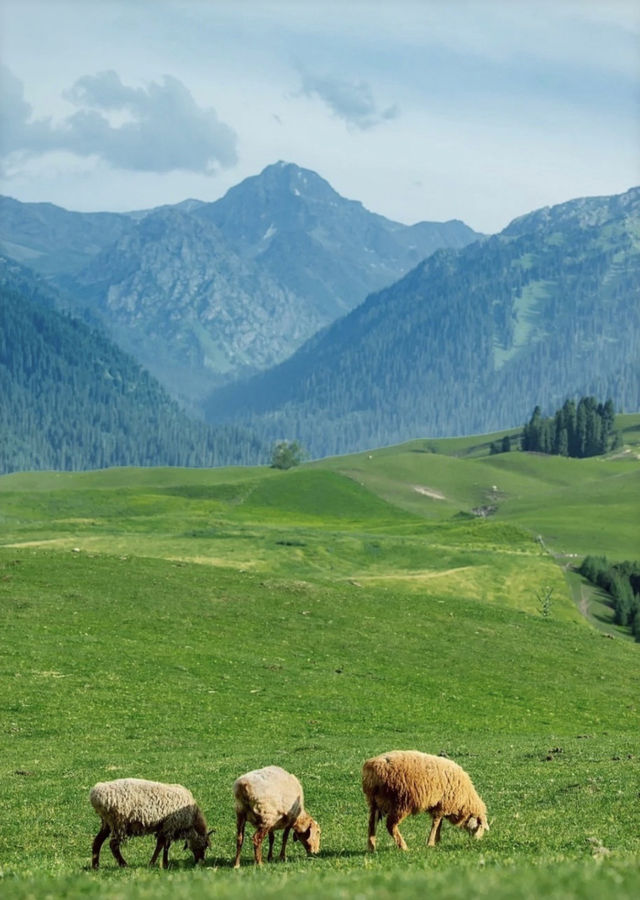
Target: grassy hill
{"points": [[188, 625], [577, 506]]}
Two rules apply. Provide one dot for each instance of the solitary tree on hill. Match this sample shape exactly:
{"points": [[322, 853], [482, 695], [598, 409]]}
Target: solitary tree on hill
{"points": [[286, 454]]}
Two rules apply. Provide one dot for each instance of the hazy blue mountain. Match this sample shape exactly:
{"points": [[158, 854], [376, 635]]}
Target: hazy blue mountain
{"points": [[52, 240], [329, 250], [470, 340], [70, 399], [202, 293], [174, 294]]}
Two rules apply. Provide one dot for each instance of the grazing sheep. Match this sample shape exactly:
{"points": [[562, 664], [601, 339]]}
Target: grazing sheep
{"points": [[406, 782], [130, 807], [272, 799]]}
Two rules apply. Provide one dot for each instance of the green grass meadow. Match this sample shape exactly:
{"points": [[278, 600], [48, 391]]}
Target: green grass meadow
{"points": [[189, 625]]}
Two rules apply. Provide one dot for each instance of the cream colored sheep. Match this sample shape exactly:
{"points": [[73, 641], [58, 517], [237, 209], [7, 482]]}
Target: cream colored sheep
{"points": [[129, 807], [272, 799], [403, 783]]}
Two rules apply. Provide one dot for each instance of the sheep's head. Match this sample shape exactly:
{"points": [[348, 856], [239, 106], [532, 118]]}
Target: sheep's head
{"points": [[476, 826], [309, 837], [198, 843]]}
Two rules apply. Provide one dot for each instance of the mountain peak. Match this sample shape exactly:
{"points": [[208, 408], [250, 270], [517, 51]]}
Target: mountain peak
{"points": [[291, 178], [282, 198]]}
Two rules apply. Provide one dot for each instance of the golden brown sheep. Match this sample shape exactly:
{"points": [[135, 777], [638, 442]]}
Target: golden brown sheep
{"points": [[403, 783]]}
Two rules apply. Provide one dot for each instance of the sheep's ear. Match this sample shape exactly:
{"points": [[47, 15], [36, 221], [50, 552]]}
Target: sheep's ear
{"points": [[472, 823]]}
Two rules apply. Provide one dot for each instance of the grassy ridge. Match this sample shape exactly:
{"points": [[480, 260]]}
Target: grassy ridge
{"points": [[189, 625], [578, 505]]}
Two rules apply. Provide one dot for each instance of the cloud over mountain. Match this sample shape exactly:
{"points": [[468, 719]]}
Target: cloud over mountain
{"points": [[157, 128], [352, 101]]}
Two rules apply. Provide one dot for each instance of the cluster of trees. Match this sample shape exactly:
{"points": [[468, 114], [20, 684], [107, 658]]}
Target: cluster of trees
{"points": [[622, 582], [502, 446], [577, 431]]}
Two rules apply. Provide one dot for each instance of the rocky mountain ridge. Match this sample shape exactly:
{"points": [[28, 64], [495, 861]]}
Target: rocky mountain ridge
{"points": [[203, 293]]}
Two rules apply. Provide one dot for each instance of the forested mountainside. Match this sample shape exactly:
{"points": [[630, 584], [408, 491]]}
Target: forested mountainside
{"points": [[202, 293], [70, 399], [470, 340]]}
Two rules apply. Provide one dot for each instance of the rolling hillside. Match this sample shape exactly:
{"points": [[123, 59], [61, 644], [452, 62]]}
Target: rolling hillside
{"points": [[578, 506], [189, 625]]}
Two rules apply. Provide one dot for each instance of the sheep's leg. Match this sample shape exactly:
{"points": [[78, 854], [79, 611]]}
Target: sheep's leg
{"points": [[393, 820], [373, 822], [114, 844], [258, 838], [271, 837], [165, 854], [156, 852], [241, 821], [285, 838], [434, 834], [99, 840]]}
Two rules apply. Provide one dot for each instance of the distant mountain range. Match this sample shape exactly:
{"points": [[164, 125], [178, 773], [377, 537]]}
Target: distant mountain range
{"points": [[202, 293], [378, 332], [469, 340]]}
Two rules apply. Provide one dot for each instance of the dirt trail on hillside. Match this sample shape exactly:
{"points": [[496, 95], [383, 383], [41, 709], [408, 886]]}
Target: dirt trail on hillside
{"points": [[428, 492], [584, 600], [416, 576]]}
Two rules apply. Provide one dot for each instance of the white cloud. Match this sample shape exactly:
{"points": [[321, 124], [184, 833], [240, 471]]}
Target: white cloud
{"points": [[351, 101], [161, 127]]}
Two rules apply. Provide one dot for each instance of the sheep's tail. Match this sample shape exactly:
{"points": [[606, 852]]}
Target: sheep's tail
{"points": [[242, 795], [369, 784]]}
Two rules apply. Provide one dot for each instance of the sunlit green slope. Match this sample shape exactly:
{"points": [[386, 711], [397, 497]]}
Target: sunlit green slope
{"points": [[577, 506], [188, 625], [117, 666]]}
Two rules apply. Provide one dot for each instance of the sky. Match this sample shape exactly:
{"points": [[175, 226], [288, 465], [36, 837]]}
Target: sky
{"points": [[480, 110]]}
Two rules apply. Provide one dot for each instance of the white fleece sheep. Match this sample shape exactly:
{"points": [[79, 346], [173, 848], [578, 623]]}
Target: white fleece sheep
{"points": [[272, 799], [406, 782], [130, 807]]}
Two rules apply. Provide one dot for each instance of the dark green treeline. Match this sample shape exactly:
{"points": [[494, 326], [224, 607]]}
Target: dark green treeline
{"points": [[622, 582], [581, 430]]}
